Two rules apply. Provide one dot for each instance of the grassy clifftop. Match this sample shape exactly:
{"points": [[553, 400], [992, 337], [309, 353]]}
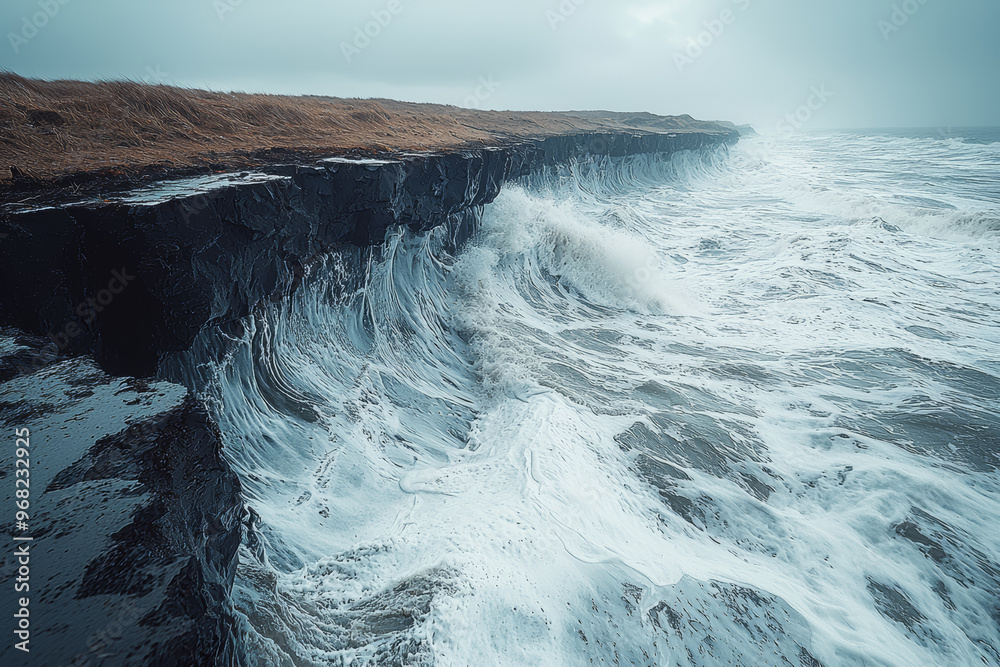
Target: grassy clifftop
{"points": [[71, 132]]}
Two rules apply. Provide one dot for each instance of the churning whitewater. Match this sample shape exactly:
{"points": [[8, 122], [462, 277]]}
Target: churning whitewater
{"points": [[737, 407]]}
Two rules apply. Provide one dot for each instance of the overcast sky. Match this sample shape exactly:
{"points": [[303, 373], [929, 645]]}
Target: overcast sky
{"points": [[858, 63]]}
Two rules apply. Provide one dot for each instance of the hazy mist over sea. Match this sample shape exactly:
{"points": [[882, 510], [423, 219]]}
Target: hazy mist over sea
{"points": [[887, 63]]}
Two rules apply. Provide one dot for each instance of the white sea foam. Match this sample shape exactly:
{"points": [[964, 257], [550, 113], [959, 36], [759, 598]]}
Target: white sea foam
{"points": [[722, 409]]}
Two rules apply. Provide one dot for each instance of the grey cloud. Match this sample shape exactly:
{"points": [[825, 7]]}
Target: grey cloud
{"points": [[935, 63]]}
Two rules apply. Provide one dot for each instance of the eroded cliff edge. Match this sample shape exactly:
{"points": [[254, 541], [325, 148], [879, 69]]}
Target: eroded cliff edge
{"points": [[136, 514], [134, 276]]}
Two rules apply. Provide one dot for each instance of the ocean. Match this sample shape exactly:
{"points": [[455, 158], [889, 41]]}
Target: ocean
{"points": [[735, 407]]}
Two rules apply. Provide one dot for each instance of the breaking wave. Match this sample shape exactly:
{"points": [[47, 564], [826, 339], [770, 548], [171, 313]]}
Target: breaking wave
{"points": [[732, 407]]}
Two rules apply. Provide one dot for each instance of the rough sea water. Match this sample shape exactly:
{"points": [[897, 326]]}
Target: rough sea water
{"points": [[739, 407]]}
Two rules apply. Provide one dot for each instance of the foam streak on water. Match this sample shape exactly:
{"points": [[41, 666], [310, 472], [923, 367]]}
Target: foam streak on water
{"points": [[737, 407]]}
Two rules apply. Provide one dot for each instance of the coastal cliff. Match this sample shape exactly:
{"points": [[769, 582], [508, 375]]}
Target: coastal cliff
{"points": [[136, 516], [132, 276]]}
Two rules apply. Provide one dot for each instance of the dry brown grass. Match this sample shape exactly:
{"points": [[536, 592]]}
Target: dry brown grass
{"points": [[53, 129]]}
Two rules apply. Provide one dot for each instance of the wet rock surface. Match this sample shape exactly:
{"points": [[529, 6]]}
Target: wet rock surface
{"points": [[135, 519]]}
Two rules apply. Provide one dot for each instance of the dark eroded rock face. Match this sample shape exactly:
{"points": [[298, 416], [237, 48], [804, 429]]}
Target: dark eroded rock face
{"points": [[135, 276], [135, 517]]}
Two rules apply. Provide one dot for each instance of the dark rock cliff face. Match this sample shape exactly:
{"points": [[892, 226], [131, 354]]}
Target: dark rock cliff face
{"points": [[133, 277], [136, 516]]}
